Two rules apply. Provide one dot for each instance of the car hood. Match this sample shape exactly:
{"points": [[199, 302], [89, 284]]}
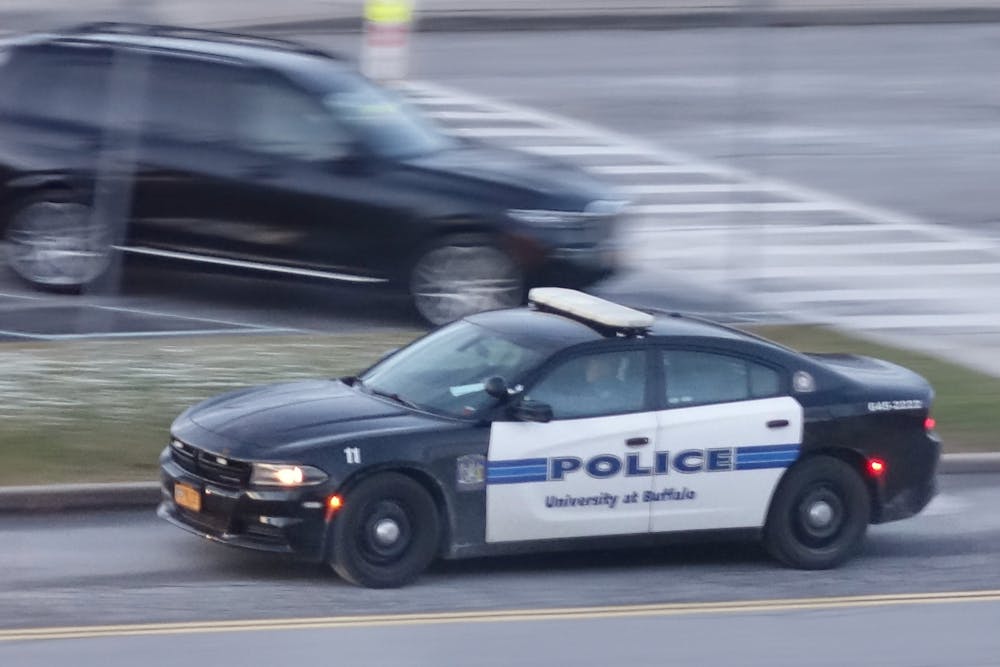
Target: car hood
{"points": [[559, 185], [270, 419]]}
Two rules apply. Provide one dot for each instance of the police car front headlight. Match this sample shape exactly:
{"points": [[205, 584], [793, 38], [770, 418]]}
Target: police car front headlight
{"points": [[273, 474]]}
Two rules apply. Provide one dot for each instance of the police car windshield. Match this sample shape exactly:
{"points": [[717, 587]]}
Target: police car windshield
{"points": [[444, 372]]}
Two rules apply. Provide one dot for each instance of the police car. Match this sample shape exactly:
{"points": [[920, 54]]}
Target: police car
{"points": [[571, 422]]}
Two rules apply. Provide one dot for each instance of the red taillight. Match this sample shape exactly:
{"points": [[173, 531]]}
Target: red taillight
{"points": [[929, 424], [876, 467]]}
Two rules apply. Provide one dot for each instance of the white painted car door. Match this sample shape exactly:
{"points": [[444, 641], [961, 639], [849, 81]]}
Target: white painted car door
{"points": [[579, 474], [729, 433]]}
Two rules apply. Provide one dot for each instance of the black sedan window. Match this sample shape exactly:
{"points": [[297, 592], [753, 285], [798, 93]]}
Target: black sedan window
{"points": [[382, 121], [276, 120], [444, 372]]}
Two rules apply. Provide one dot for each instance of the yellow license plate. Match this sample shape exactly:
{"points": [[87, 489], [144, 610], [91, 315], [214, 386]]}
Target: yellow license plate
{"points": [[187, 497]]}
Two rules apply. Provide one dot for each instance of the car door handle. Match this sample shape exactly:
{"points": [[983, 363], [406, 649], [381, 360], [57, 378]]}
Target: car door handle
{"points": [[777, 423], [637, 442]]}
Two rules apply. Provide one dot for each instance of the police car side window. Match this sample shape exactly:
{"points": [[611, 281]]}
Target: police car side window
{"points": [[594, 385], [701, 378]]}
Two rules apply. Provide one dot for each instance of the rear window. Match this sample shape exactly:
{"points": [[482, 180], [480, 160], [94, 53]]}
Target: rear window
{"points": [[57, 84], [702, 378]]}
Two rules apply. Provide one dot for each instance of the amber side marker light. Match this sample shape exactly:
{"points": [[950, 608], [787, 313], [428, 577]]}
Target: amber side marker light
{"points": [[876, 467], [333, 503]]}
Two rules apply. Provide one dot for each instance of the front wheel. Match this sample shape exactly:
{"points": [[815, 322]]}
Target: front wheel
{"points": [[459, 277], [387, 532], [819, 515]]}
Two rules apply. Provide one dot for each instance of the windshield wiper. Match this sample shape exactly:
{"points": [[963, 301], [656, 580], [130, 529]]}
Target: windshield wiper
{"points": [[392, 396]]}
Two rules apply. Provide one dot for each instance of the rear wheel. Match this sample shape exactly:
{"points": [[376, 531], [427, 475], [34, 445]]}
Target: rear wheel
{"points": [[819, 515], [387, 532], [54, 244], [460, 276]]}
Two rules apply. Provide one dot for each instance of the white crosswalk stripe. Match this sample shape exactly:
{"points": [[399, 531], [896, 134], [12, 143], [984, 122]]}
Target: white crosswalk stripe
{"points": [[779, 245]]}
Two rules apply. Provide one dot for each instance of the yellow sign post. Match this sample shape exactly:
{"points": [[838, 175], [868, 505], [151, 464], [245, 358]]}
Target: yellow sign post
{"points": [[385, 51]]}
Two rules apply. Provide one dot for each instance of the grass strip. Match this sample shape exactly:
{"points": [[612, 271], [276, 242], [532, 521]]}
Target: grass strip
{"points": [[99, 411], [966, 405]]}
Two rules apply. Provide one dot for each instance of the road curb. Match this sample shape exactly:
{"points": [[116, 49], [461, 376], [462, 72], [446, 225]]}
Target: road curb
{"points": [[146, 495], [639, 20], [62, 497], [962, 464]]}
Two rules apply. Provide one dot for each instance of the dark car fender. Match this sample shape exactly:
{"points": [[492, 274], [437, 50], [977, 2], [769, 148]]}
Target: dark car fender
{"points": [[430, 458]]}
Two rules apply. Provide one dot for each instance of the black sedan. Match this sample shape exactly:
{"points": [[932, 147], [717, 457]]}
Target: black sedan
{"points": [[571, 422], [243, 153]]}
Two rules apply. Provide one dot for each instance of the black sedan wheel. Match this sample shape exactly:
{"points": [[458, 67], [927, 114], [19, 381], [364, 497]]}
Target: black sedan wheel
{"points": [[387, 532], [53, 244], [819, 515], [459, 277]]}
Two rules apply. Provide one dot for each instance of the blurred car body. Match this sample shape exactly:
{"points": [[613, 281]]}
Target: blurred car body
{"points": [[264, 155]]}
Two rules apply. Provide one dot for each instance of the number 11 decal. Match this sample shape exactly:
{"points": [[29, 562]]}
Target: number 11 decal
{"points": [[352, 454]]}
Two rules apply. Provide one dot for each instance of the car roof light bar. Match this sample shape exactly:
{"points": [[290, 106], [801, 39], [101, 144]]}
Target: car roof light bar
{"points": [[590, 309]]}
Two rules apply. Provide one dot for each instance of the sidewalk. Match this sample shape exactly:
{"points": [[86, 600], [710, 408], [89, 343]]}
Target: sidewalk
{"points": [[311, 15]]}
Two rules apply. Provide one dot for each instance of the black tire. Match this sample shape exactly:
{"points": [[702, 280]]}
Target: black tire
{"points": [[357, 553], [51, 243], [819, 515], [464, 274]]}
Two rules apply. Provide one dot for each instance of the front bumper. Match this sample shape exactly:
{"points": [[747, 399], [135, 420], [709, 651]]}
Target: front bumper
{"points": [[279, 521]]}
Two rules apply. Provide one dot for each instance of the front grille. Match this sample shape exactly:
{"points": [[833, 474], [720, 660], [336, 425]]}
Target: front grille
{"points": [[262, 533], [210, 523], [209, 466]]}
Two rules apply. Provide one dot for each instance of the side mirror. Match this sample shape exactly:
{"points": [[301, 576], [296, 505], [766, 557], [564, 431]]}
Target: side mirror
{"points": [[531, 411], [496, 387]]}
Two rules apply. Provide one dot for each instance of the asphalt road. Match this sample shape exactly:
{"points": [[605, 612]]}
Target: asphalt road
{"points": [[906, 117], [888, 636], [86, 570], [130, 567]]}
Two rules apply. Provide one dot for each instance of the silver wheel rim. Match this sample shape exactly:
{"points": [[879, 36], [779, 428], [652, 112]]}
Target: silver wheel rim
{"points": [[51, 243], [820, 514], [387, 532], [451, 282]]}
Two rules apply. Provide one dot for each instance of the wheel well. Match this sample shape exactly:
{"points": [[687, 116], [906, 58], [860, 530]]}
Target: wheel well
{"points": [[18, 196], [435, 232], [859, 464], [421, 477]]}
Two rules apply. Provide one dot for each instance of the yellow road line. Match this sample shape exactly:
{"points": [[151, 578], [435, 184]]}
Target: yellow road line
{"points": [[567, 613]]}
